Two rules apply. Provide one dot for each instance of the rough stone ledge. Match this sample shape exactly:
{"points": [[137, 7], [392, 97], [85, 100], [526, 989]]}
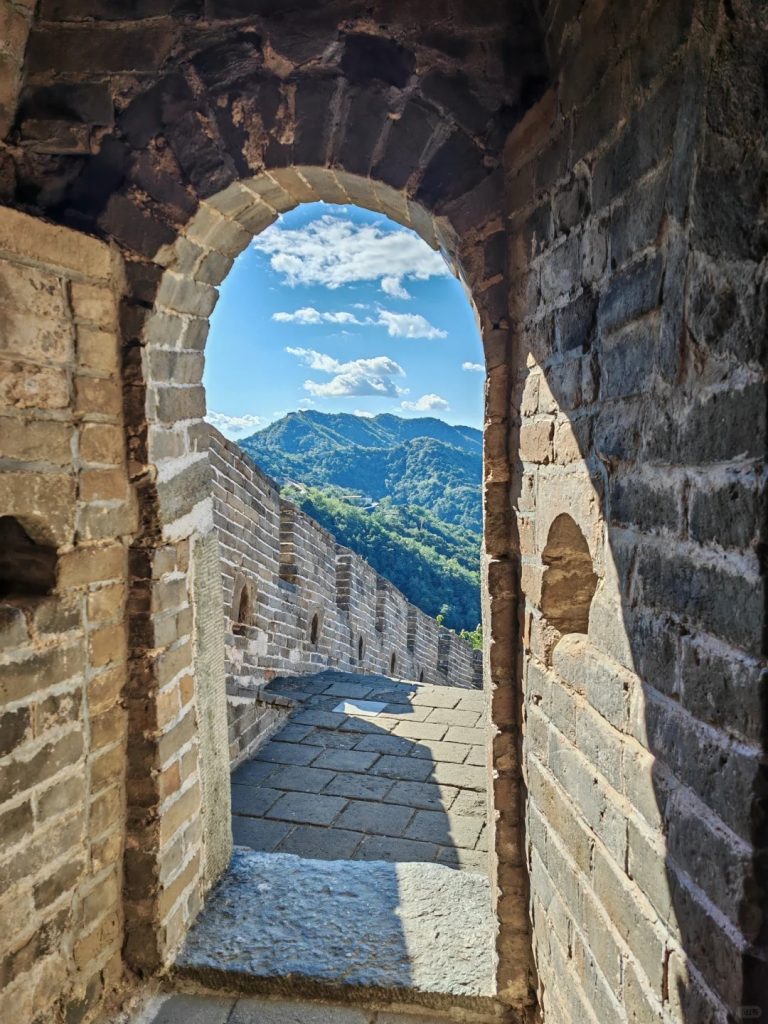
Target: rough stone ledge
{"points": [[355, 932]]}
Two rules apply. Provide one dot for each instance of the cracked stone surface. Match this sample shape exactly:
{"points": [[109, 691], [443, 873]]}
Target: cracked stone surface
{"points": [[278, 922]]}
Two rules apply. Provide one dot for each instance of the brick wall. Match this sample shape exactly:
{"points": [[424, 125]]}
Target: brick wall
{"points": [[294, 571], [639, 413], [62, 656]]}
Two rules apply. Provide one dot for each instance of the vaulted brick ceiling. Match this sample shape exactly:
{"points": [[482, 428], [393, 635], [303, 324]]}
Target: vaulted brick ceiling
{"points": [[167, 101]]}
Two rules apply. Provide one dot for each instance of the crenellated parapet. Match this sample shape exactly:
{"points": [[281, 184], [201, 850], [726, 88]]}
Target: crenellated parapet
{"points": [[296, 601]]}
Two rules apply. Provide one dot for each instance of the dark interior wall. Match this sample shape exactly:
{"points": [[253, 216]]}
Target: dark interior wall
{"points": [[636, 194]]}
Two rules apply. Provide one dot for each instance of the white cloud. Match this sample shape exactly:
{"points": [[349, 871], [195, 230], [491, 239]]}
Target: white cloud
{"points": [[408, 325], [309, 315], [364, 414], [473, 367], [427, 403], [334, 251], [398, 325], [394, 286], [357, 377], [234, 426]]}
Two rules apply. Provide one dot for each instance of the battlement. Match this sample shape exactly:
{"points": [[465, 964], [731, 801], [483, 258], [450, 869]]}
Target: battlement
{"points": [[296, 601]]}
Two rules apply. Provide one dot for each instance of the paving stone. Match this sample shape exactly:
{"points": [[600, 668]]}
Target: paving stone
{"points": [[300, 779], [331, 738], [445, 829], [268, 1011], [188, 1009], [287, 753], [460, 734], [438, 750], [436, 697], [351, 688], [421, 730], [471, 802], [466, 860], [427, 796], [345, 760], [398, 850], [472, 702], [454, 716], [358, 787], [257, 833], [253, 801], [375, 818], [410, 769], [462, 775], [325, 719], [321, 843], [307, 808], [294, 733], [251, 773], [358, 725], [385, 744], [407, 927], [407, 712], [477, 756]]}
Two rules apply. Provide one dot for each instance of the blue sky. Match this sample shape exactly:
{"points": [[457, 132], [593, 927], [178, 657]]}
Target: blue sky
{"points": [[338, 309]]}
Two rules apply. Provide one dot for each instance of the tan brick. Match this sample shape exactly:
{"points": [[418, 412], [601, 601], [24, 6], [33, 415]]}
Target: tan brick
{"points": [[62, 797], [106, 811], [41, 669], [106, 603], [31, 290], [179, 813], [97, 350], [102, 443], [95, 395], [92, 565], [536, 441], [93, 303], [37, 440], [102, 899], [108, 727], [180, 884], [44, 503], [107, 644], [105, 688], [23, 386], [103, 485]]}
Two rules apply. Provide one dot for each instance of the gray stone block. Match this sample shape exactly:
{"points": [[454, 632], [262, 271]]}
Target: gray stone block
{"points": [[189, 1009], [375, 818], [307, 808]]}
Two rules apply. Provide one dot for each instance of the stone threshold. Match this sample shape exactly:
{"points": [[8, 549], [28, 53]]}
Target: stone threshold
{"points": [[361, 933]]}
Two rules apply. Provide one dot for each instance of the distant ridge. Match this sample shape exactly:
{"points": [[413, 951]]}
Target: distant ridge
{"points": [[421, 461]]}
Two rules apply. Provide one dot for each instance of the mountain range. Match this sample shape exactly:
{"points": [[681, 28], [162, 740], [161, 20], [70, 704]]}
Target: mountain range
{"points": [[403, 493]]}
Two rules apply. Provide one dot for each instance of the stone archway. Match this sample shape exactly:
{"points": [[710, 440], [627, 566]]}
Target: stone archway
{"points": [[169, 352]]}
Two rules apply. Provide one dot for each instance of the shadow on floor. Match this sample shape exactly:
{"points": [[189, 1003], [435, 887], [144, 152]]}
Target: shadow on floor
{"points": [[368, 768]]}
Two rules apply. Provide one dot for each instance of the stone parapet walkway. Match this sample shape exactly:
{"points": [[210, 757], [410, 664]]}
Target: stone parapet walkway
{"points": [[369, 768]]}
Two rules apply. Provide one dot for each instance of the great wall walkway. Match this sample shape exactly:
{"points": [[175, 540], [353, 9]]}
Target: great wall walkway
{"points": [[350, 824], [369, 768]]}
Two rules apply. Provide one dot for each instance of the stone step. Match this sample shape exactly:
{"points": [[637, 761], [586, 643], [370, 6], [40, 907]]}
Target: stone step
{"points": [[363, 932]]}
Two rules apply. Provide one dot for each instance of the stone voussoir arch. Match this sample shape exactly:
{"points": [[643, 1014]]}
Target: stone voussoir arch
{"points": [[174, 483]]}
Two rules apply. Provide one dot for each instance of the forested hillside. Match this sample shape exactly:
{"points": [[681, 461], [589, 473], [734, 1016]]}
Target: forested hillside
{"points": [[403, 493]]}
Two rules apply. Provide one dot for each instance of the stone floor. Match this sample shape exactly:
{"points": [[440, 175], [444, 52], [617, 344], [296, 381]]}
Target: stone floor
{"points": [[400, 777], [279, 924], [183, 1008]]}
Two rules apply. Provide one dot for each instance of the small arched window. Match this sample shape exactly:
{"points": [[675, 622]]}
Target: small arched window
{"points": [[314, 629], [360, 648], [421, 676], [392, 664], [244, 607], [569, 581], [27, 569]]}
